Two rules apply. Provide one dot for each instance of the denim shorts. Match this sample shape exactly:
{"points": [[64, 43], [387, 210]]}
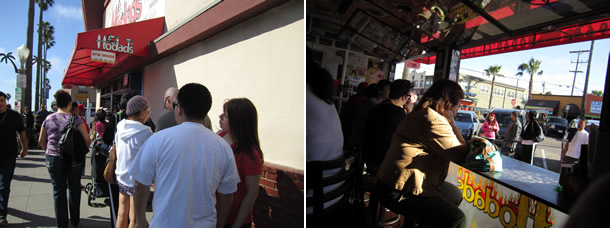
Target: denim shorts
{"points": [[125, 189]]}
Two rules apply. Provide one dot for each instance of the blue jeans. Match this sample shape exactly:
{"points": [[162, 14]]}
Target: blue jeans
{"points": [[7, 169], [65, 174]]}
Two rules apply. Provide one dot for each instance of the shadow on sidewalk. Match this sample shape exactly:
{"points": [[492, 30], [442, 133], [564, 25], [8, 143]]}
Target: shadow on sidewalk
{"points": [[33, 220], [28, 165], [31, 179]]}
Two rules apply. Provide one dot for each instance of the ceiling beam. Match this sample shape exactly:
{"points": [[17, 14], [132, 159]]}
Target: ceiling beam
{"points": [[487, 17]]}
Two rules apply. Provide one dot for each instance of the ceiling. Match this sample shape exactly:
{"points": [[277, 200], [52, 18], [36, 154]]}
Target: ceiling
{"points": [[413, 29]]}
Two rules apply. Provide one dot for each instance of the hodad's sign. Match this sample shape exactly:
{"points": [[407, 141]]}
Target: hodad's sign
{"points": [[113, 43]]}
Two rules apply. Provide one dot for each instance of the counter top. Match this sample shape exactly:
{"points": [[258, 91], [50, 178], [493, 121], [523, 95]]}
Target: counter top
{"points": [[533, 181]]}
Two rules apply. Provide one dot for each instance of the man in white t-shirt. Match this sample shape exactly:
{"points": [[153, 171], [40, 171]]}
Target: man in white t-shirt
{"points": [[572, 148], [189, 164]]}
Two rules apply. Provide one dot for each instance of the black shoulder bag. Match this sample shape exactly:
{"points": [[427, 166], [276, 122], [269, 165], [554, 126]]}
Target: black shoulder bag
{"points": [[66, 143]]}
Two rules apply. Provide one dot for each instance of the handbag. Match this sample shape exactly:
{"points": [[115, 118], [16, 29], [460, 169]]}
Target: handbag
{"points": [[109, 175], [66, 142], [540, 136], [483, 156]]}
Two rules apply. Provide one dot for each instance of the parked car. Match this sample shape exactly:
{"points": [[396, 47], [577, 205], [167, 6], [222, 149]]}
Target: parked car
{"points": [[555, 125], [468, 122], [503, 118]]}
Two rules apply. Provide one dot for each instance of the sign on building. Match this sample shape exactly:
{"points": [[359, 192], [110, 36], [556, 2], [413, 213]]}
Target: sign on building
{"points": [[120, 12]]}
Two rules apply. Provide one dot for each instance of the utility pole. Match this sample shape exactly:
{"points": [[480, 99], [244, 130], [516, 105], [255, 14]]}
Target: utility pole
{"points": [[584, 93], [543, 87], [576, 69]]}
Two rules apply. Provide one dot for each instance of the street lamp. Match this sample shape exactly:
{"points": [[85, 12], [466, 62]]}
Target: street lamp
{"points": [[23, 53]]}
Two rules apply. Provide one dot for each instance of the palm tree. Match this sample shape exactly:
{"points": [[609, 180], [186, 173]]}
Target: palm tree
{"points": [[597, 93], [43, 5], [8, 98], [28, 62], [48, 40], [8, 57], [493, 71], [532, 67]]}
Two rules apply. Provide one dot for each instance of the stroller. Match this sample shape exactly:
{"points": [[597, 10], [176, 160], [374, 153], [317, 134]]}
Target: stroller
{"points": [[98, 186]]}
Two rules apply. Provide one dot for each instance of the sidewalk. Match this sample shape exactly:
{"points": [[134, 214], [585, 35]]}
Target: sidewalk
{"points": [[31, 199]]}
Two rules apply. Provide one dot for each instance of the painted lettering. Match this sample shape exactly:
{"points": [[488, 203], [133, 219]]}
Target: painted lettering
{"points": [[124, 13], [112, 43], [511, 210]]}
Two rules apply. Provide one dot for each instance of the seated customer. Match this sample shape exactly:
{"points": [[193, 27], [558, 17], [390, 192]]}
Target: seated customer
{"points": [[381, 124], [422, 146]]}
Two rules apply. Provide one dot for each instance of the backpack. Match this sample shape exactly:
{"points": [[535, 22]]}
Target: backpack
{"points": [[66, 142], [484, 156]]}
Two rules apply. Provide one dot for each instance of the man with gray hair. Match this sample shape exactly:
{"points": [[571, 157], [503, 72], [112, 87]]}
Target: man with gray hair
{"points": [[167, 120]]}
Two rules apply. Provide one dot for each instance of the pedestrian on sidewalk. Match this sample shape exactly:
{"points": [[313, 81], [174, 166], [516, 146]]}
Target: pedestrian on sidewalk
{"points": [[190, 166], [239, 124], [130, 136], [65, 171], [11, 123]]}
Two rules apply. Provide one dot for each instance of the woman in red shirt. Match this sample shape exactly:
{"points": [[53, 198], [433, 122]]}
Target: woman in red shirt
{"points": [[239, 124]]}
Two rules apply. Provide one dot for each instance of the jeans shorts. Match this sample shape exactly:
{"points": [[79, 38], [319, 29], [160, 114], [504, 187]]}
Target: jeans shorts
{"points": [[125, 189]]}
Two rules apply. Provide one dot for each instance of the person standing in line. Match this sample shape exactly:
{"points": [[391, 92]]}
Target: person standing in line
{"points": [[530, 131], [11, 124], [54, 106], [571, 151], [130, 135], [193, 169], [77, 109], [513, 131], [42, 113], [167, 120], [382, 93], [490, 127], [381, 124], [64, 171], [239, 124], [411, 100]]}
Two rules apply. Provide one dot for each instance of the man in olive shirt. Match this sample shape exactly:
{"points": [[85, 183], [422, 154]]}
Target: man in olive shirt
{"points": [[10, 123]]}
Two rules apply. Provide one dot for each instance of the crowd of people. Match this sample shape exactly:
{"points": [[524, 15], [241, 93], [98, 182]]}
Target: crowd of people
{"points": [[408, 143], [201, 178]]}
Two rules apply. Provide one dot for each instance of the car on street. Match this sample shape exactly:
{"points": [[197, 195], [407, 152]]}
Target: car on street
{"points": [[468, 123], [555, 125]]}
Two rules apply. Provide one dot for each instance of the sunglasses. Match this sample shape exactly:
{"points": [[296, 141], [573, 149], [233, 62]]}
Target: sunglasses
{"points": [[174, 104]]}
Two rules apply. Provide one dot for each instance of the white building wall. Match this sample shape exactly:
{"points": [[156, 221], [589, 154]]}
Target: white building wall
{"points": [[179, 12], [261, 59]]}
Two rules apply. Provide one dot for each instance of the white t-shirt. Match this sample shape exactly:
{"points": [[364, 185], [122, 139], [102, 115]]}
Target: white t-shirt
{"points": [[324, 138], [580, 138], [130, 136], [188, 164]]}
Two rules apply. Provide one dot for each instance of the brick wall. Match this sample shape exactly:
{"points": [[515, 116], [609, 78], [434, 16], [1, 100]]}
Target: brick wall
{"points": [[280, 199]]}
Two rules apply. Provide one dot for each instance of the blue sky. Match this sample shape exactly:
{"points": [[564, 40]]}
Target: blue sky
{"points": [[556, 64], [65, 16]]}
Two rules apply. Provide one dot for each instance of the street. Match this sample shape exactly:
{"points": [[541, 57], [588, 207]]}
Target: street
{"points": [[548, 153]]}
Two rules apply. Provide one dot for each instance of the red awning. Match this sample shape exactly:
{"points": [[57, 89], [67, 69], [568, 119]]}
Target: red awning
{"points": [[599, 29], [127, 43]]}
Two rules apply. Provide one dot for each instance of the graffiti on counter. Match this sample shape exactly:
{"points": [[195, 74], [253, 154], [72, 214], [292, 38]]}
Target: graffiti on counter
{"points": [[511, 208]]}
